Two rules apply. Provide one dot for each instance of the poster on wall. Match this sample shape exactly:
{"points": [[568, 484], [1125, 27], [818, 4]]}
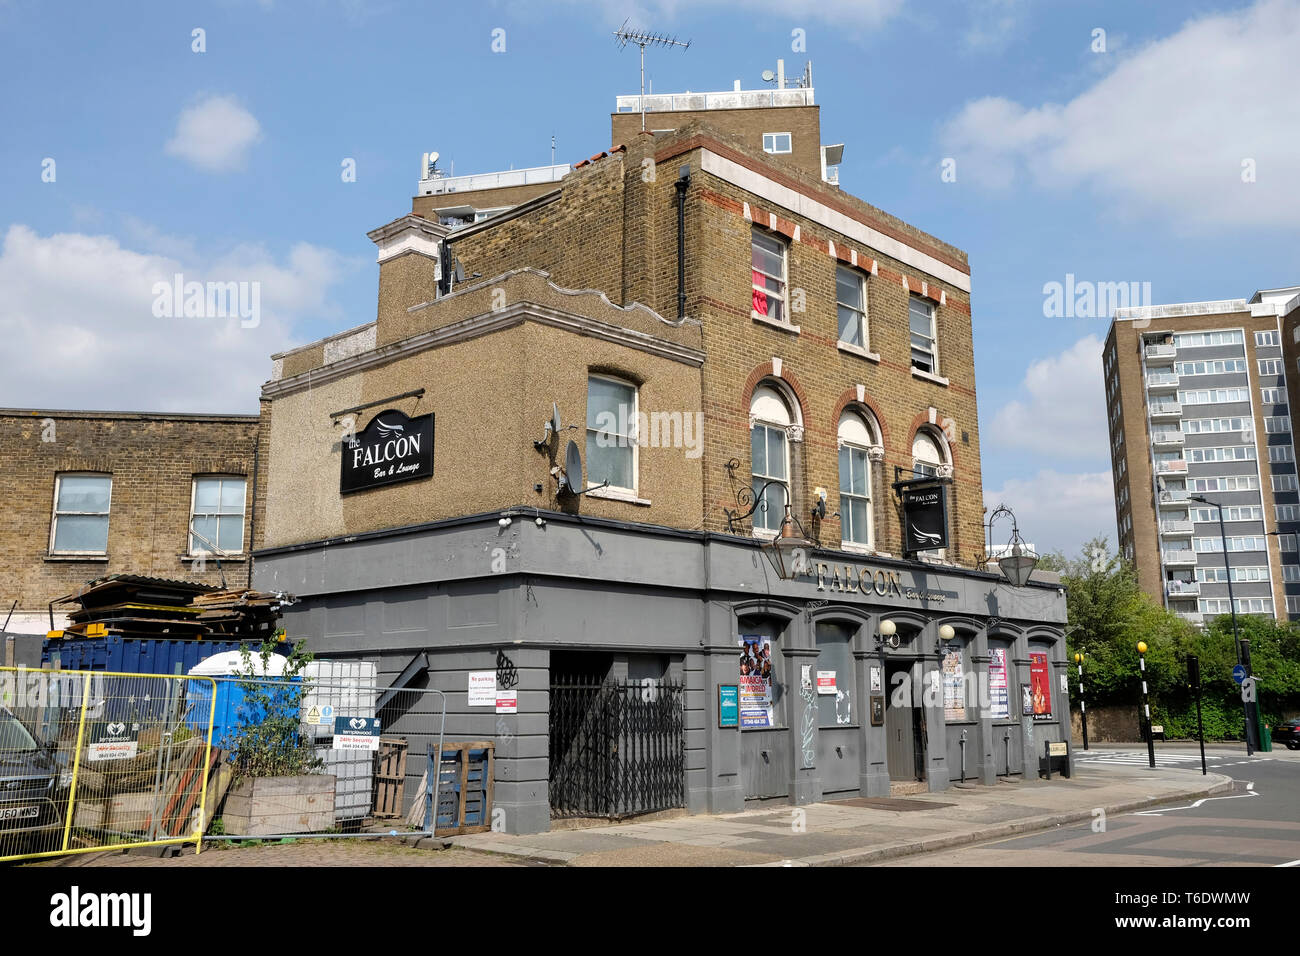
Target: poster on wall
{"points": [[954, 687], [756, 681], [999, 706], [1040, 687]]}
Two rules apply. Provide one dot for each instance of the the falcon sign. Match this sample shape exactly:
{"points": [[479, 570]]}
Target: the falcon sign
{"points": [[925, 515], [391, 448]]}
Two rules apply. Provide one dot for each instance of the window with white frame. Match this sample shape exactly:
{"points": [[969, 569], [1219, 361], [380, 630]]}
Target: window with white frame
{"points": [[1266, 338], [1244, 605], [925, 351], [1222, 453], [1187, 340], [1225, 483], [769, 457], [1286, 542], [1276, 424], [1293, 604], [767, 258], [217, 514], [778, 143], [1197, 426], [81, 507], [1211, 367], [1270, 366], [1230, 513], [611, 432], [1244, 575], [851, 302], [1251, 542], [1284, 482], [1208, 396], [1288, 512], [856, 438], [1272, 396], [1278, 453], [1291, 573], [927, 454]]}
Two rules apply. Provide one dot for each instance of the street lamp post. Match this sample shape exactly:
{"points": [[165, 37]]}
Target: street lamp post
{"points": [[1146, 706], [1232, 607], [1083, 708]]}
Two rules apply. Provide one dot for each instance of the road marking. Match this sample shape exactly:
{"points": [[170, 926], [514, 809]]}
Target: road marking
{"points": [[1250, 792]]}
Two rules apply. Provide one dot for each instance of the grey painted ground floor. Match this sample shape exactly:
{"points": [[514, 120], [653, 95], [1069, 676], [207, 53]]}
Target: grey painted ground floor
{"points": [[531, 611]]}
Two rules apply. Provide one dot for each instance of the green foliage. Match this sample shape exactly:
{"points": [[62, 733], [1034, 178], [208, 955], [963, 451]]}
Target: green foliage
{"points": [[1109, 614], [266, 741]]}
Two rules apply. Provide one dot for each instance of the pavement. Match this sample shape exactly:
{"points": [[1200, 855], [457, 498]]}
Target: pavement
{"points": [[842, 833]]}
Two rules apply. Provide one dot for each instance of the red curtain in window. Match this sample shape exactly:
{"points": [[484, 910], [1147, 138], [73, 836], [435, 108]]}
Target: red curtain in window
{"points": [[760, 297]]}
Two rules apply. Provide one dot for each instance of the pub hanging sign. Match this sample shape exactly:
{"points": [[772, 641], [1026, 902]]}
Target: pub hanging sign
{"points": [[925, 515], [391, 448]]}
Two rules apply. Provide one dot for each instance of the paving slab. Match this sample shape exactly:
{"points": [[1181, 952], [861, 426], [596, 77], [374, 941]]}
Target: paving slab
{"points": [[839, 833]]}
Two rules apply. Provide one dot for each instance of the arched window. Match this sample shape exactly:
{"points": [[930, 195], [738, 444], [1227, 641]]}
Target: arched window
{"points": [[928, 456], [856, 438], [769, 456]]}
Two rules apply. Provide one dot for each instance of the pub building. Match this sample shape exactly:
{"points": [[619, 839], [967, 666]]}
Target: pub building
{"points": [[683, 469]]}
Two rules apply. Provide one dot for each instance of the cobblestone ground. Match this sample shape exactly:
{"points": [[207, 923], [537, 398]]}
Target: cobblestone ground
{"points": [[305, 853]]}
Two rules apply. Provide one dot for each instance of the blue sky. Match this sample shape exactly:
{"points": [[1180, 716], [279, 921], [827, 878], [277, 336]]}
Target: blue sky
{"points": [[1122, 164]]}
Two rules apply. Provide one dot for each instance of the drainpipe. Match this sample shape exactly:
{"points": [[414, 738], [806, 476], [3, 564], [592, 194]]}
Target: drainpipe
{"points": [[683, 180], [252, 521]]}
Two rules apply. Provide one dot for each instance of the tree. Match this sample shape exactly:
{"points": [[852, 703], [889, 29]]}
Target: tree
{"points": [[1108, 614]]}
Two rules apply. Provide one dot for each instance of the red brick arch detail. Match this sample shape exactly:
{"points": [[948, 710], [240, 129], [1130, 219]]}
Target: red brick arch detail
{"points": [[923, 420], [764, 370], [850, 397]]}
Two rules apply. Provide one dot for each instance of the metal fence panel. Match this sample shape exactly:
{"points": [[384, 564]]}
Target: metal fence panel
{"points": [[92, 760]]}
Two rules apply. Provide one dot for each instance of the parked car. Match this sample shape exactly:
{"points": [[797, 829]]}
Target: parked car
{"points": [[30, 783], [1288, 732]]}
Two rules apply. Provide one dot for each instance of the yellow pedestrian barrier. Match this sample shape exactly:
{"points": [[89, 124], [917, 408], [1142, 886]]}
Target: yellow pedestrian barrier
{"points": [[93, 760]]}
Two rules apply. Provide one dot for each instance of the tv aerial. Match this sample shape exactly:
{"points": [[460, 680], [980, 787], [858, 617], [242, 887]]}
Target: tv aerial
{"points": [[644, 39]]}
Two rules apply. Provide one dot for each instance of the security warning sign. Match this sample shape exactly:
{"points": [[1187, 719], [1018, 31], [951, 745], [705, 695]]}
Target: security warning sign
{"points": [[356, 733], [113, 740]]}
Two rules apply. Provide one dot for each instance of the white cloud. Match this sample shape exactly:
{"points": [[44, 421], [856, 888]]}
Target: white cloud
{"points": [[78, 322], [1063, 411], [1166, 130], [215, 135], [1056, 510], [992, 25]]}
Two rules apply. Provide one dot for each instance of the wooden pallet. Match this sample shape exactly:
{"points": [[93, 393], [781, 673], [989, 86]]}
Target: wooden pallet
{"points": [[390, 778]]}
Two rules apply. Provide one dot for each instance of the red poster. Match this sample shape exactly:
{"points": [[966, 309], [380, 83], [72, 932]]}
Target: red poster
{"points": [[1040, 687]]}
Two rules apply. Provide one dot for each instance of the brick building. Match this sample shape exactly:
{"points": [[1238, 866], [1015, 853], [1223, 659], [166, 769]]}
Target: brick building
{"points": [[725, 338], [1198, 407], [99, 493]]}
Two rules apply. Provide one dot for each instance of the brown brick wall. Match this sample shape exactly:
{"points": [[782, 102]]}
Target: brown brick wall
{"points": [[746, 125], [428, 206], [614, 229], [152, 459]]}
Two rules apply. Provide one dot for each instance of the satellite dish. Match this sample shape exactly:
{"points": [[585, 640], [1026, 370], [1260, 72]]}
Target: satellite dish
{"points": [[768, 76], [433, 157], [573, 468], [555, 418]]}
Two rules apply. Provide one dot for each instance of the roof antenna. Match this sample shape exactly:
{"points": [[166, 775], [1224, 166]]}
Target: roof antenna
{"points": [[643, 39]]}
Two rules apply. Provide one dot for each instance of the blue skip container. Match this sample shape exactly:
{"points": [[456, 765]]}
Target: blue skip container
{"points": [[232, 703]]}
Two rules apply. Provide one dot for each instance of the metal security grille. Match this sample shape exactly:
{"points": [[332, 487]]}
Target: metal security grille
{"points": [[616, 749]]}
